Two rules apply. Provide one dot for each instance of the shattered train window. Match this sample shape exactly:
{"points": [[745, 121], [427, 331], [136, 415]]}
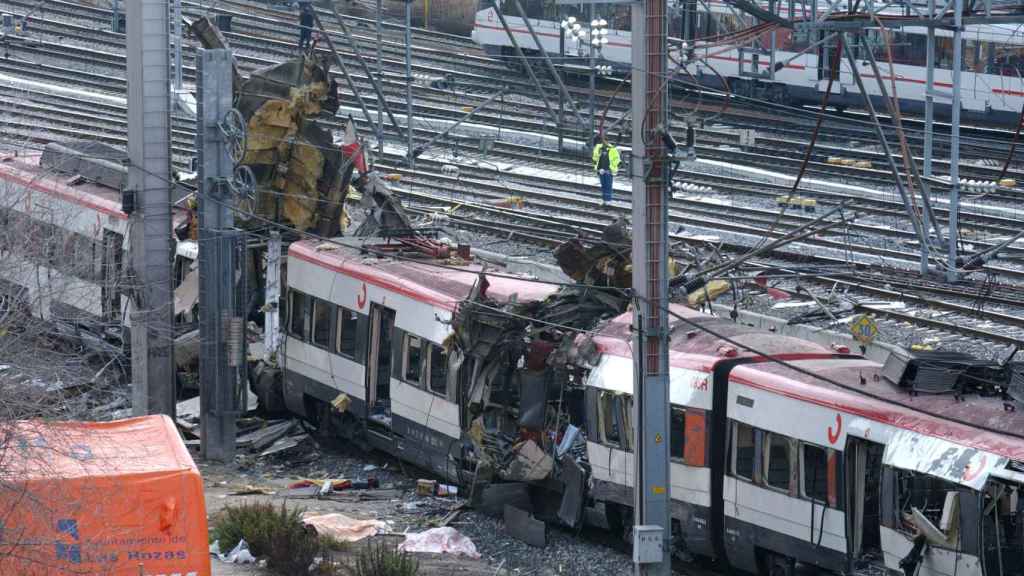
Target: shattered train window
{"points": [[610, 430], [615, 419], [677, 433], [413, 359], [743, 451], [321, 323], [438, 370], [778, 462], [348, 322], [928, 504], [297, 315]]}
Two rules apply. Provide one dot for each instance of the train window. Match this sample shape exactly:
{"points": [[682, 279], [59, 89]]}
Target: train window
{"points": [[814, 479], [321, 323], [438, 370], [606, 416], [345, 341], [297, 315], [743, 451], [677, 433], [778, 462], [413, 365]]}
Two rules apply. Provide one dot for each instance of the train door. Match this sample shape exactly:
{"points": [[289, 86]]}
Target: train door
{"points": [[378, 367], [863, 496]]}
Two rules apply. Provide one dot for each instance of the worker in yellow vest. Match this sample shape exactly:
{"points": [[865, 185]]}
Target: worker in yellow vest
{"points": [[606, 164]]}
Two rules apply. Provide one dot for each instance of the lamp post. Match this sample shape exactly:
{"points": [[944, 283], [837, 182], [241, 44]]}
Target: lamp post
{"points": [[598, 39]]}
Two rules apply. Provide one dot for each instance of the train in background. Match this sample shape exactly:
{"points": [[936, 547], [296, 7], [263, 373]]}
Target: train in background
{"points": [[779, 65], [908, 467]]}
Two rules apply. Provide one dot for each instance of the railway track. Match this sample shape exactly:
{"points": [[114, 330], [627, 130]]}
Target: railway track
{"points": [[273, 35], [564, 215]]}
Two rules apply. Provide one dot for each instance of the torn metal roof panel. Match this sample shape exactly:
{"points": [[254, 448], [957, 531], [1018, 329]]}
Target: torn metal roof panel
{"points": [[432, 282]]}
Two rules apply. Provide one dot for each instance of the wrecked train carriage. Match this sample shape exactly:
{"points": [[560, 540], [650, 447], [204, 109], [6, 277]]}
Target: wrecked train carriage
{"points": [[66, 259], [876, 468], [367, 348], [861, 473]]}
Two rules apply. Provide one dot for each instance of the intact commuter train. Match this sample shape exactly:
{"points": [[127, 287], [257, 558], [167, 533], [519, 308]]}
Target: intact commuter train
{"points": [[992, 88], [771, 466]]}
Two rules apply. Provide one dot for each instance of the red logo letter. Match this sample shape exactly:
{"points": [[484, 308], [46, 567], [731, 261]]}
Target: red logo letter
{"points": [[361, 297], [833, 437]]}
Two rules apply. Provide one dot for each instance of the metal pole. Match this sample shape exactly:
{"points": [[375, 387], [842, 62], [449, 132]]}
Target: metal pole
{"points": [[649, 170], [149, 151], [593, 74], [220, 320], [928, 213], [914, 220], [362, 62], [380, 76], [561, 97], [408, 84], [563, 92], [525, 61], [954, 141], [929, 118], [177, 46], [272, 318]]}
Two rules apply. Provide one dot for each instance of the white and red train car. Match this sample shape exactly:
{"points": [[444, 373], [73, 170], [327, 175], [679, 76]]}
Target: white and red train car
{"points": [[772, 465], [992, 87], [818, 460], [369, 333], [64, 252]]}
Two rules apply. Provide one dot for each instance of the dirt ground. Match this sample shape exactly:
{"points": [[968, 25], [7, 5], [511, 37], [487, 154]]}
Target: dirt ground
{"points": [[224, 482]]}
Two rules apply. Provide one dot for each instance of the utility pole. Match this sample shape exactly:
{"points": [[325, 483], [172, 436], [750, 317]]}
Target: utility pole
{"points": [[408, 82], [149, 180], [177, 46], [929, 120], [652, 531], [380, 78], [561, 96], [954, 142], [593, 76], [221, 321]]}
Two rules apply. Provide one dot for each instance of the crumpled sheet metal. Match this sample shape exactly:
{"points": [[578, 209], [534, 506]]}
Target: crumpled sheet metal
{"points": [[936, 457], [344, 528], [445, 540]]}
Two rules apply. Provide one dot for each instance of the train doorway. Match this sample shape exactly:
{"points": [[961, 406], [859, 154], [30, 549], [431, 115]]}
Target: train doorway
{"points": [[378, 367], [863, 497]]}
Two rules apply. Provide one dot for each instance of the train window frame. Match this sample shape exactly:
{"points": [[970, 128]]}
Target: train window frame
{"points": [[803, 473], [301, 308], [769, 437], [677, 446], [735, 451], [316, 305], [613, 409], [429, 384], [346, 321], [406, 348]]}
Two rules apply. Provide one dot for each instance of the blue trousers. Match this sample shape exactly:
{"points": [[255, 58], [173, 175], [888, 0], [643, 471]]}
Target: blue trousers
{"points": [[606, 186]]}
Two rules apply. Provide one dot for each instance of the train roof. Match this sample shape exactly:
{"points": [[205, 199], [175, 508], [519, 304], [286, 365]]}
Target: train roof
{"points": [[693, 346], [432, 281], [26, 170], [971, 420], [857, 385]]}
